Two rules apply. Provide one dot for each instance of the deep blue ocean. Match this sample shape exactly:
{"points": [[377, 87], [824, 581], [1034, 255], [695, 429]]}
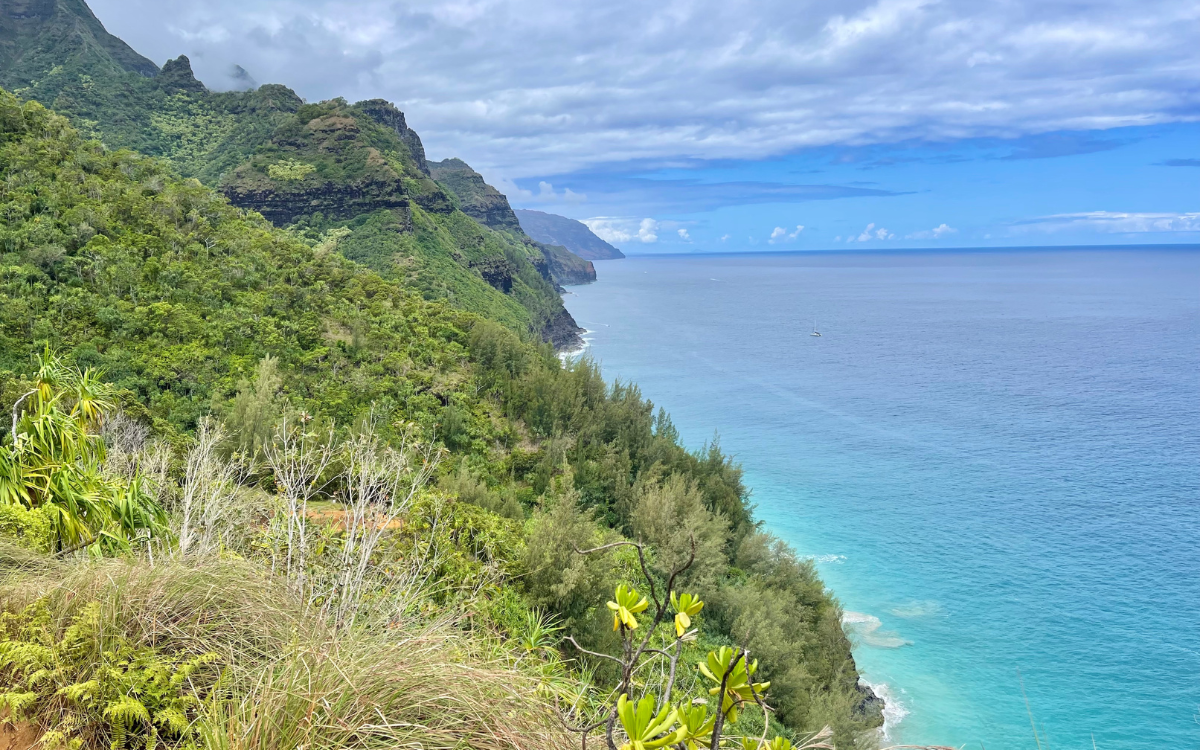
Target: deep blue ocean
{"points": [[992, 456]]}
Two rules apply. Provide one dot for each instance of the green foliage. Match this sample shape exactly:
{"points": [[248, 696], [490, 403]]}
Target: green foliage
{"points": [[686, 607], [51, 462], [695, 726], [728, 666], [183, 300], [86, 688], [290, 170], [629, 603], [257, 408], [30, 528], [558, 579], [646, 729]]}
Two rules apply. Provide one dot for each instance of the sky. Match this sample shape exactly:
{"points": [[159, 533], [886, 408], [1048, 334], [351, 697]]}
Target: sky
{"points": [[770, 125]]}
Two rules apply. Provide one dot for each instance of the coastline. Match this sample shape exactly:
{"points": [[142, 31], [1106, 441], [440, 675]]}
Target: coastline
{"points": [[876, 698]]}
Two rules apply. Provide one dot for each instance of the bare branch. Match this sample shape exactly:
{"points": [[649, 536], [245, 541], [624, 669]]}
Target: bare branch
{"points": [[662, 608], [766, 719], [593, 653], [16, 406]]}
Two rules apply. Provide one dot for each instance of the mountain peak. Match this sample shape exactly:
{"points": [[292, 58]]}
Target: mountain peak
{"points": [[177, 75]]}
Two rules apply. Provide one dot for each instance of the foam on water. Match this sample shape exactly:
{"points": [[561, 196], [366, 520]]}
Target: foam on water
{"points": [[894, 710], [869, 629]]}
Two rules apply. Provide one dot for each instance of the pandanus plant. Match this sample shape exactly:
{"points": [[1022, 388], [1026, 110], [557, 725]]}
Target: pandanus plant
{"points": [[52, 460]]}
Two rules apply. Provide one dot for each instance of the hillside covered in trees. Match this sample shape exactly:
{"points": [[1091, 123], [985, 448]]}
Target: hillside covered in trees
{"points": [[320, 166], [288, 461]]}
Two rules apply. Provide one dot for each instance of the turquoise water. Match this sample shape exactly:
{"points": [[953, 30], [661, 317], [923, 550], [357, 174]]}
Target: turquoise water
{"points": [[993, 457]]}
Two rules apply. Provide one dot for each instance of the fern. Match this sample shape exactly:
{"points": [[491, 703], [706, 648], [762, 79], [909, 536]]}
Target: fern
{"points": [[134, 696]]}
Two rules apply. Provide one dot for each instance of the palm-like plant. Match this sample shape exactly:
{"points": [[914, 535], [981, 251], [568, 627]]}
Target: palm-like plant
{"points": [[53, 460], [686, 607]]}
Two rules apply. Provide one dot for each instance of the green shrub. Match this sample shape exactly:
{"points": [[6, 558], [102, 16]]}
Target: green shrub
{"points": [[290, 170], [31, 529]]}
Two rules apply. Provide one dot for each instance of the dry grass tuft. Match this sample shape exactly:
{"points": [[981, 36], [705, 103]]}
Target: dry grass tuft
{"points": [[292, 680]]}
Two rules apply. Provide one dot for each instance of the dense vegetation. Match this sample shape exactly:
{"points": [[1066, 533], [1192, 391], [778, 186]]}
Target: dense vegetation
{"points": [[326, 165], [192, 308], [323, 485]]}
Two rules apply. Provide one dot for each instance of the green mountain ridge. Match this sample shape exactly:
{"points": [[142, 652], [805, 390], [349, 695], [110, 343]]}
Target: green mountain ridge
{"points": [[364, 160], [571, 234]]}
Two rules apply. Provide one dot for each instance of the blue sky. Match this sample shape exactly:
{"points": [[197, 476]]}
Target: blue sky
{"points": [[1122, 186], [721, 125]]}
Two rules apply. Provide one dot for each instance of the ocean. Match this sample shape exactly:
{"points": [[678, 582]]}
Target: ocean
{"points": [[993, 458]]}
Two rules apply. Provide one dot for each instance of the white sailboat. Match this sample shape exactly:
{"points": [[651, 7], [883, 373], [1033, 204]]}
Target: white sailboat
{"points": [[815, 331]]}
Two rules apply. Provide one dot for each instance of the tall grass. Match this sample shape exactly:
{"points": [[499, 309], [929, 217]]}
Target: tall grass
{"points": [[290, 678]]}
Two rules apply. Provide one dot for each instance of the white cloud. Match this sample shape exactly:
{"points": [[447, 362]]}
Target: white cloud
{"points": [[779, 234], [725, 237], [932, 234], [647, 232], [683, 235], [871, 233], [1117, 222], [619, 230], [535, 87]]}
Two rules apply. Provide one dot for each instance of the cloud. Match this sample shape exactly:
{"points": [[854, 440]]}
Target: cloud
{"points": [[537, 87], [620, 230], [545, 193], [1180, 163], [871, 233], [610, 192], [932, 234], [782, 235], [683, 235], [725, 237], [1115, 222], [1054, 145]]}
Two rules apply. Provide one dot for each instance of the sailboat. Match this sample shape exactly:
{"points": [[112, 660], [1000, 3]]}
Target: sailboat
{"points": [[815, 331]]}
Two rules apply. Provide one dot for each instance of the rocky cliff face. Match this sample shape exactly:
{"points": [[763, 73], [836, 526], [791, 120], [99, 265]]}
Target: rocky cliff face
{"points": [[566, 268], [176, 75], [563, 332], [569, 233], [282, 205], [477, 199], [488, 206], [386, 114], [320, 166]]}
